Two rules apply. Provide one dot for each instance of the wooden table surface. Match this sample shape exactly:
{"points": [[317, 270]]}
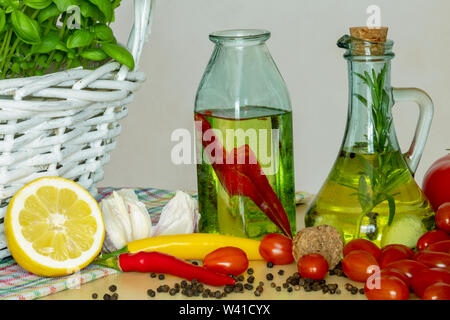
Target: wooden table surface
{"points": [[134, 286]]}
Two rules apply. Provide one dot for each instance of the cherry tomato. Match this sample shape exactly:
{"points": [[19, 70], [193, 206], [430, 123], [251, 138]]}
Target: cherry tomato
{"points": [[226, 260], [408, 267], [436, 183], [276, 248], [426, 277], [356, 263], [431, 237], [313, 266], [437, 291], [396, 273], [433, 259], [443, 217], [363, 244], [391, 288], [441, 246], [394, 252]]}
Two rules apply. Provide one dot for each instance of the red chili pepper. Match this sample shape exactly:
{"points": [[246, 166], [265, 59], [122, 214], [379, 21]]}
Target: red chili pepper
{"points": [[163, 263], [240, 174]]}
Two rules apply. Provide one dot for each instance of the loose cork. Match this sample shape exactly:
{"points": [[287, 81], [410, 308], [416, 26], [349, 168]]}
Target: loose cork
{"points": [[376, 36]]}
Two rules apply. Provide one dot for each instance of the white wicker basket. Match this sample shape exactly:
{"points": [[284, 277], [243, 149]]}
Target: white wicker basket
{"points": [[64, 124]]}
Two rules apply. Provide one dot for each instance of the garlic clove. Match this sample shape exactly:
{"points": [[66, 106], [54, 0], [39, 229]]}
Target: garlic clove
{"points": [[179, 216], [115, 237]]}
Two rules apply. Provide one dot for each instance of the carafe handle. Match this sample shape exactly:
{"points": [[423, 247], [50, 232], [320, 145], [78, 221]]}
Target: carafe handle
{"points": [[426, 110]]}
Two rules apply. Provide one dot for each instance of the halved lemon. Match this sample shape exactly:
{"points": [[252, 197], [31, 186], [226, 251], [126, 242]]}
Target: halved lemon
{"points": [[53, 227]]}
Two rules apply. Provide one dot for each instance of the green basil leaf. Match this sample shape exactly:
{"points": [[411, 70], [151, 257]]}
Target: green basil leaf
{"points": [[25, 28], [94, 54], [119, 53], [49, 43], [88, 10], [104, 33], [37, 4], [2, 20], [116, 3], [105, 7], [64, 4], [49, 12], [12, 5], [80, 38]]}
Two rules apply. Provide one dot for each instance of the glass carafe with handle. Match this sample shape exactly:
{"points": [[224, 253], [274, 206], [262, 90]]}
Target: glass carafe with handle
{"points": [[243, 117], [371, 192]]}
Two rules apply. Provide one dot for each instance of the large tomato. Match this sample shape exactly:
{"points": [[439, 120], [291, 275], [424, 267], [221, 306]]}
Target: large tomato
{"points": [[436, 183]]}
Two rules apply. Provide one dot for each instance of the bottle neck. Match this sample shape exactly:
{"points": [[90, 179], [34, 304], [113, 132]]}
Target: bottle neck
{"points": [[370, 127]]}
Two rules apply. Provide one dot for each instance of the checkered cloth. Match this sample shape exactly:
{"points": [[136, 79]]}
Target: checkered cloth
{"points": [[17, 283]]}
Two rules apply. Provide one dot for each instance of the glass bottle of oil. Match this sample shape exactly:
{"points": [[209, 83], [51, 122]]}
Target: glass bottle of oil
{"points": [[371, 192], [243, 117]]}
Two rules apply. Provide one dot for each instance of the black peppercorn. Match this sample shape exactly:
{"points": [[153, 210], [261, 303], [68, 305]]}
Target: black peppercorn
{"points": [[94, 296], [248, 286], [269, 276], [161, 277], [281, 272], [112, 288], [151, 293], [250, 271], [269, 264]]}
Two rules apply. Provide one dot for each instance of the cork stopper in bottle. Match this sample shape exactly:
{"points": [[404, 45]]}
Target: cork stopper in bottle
{"points": [[375, 36]]}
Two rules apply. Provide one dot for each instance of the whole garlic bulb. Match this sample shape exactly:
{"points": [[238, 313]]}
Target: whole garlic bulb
{"points": [[126, 219]]}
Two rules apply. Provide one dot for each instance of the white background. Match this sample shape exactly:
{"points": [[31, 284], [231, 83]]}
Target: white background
{"points": [[303, 45]]}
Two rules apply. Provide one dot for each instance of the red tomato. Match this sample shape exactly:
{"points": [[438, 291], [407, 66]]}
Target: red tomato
{"points": [[436, 183], [426, 277], [391, 288], [363, 244], [441, 246], [431, 237], [226, 260], [408, 267], [276, 248], [313, 266], [437, 291], [443, 217], [396, 273], [394, 252], [433, 259], [355, 265]]}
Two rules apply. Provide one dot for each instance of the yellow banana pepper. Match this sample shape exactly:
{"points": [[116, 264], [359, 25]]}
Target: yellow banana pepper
{"points": [[195, 246]]}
